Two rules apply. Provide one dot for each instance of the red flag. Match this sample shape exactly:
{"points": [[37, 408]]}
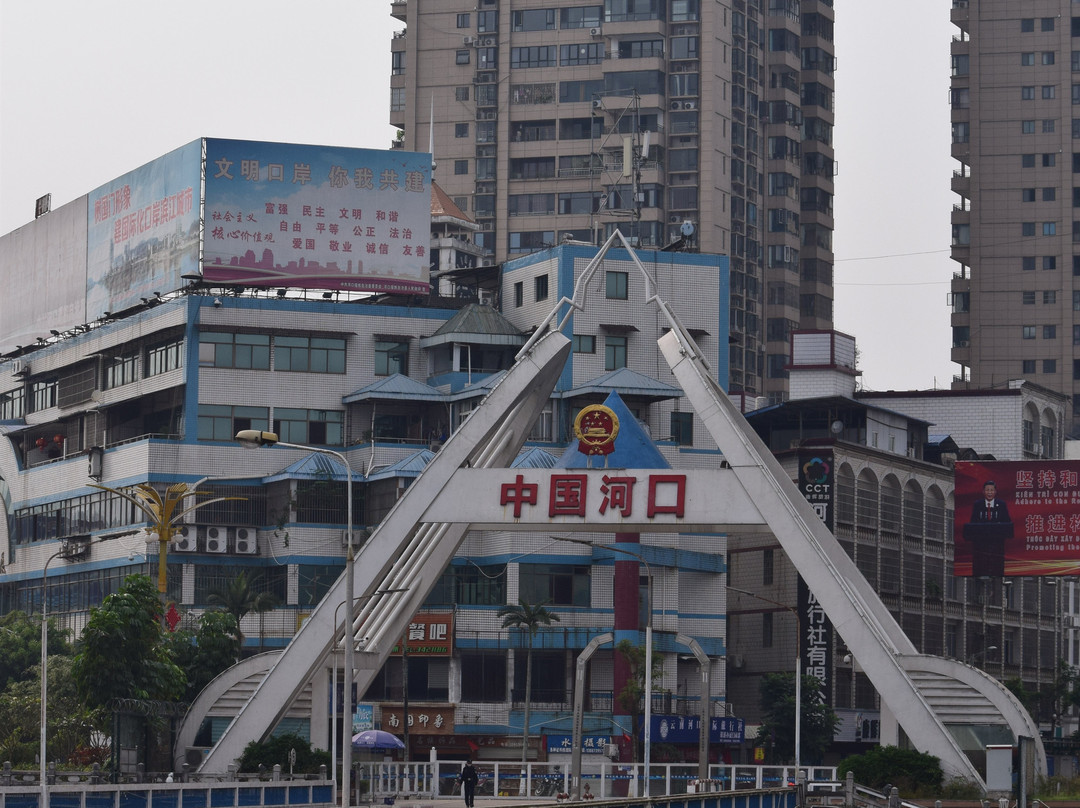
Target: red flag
{"points": [[473, 747]]}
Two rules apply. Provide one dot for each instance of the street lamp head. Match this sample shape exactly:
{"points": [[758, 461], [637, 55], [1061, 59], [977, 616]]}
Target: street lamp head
{"points": [[254, 438]]}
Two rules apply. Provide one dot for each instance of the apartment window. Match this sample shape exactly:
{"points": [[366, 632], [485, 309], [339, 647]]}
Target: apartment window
{"points": [[1048, 125], [13, 403], [1027, 298], [581, 16], [1075, 60], [1049, 160], [586, 343], [461, 93], [1076, 367], [768, 566], [321, 427], [1027, 59], [463, 20], [1027, 93], [1047, 57], [1049, 366], [121, 370], [397, 63], [1049, 297], [461, 130], [1028, 332], [614, 352], [43, 394], [519, 295], [1027, 161], [591, 53], [1027, 25], [1049, 228], [1076, 335], [535, 56], [1049, 332], [391, 356], [222, 422], [461, 166], [1076, 300], [224, 350], [1046, 23], [461, 57], [616, 285], [767, 630], [1049, 194], [1027, 127], [682, 428], [541, 19], [554, 584], [1027, 228], [487, 21], [1028, 263], [1027, 194], [309, 354], [1049, 262], [1027, 366], [164, 356], [1049, 91], [397, 99], [540, 287]]}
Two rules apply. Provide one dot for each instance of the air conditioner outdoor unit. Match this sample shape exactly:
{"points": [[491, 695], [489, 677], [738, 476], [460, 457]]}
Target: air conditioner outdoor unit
{"points": [[689, 104], [597, 104], [185, 539], [20, 367], [246, 542], [486, 42], [964, 343], [597, 31], [468, 40], [676, 104], [217, 539]]}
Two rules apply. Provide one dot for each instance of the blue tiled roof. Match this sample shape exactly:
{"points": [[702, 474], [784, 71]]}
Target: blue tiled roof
{"points": [[396, 388]]}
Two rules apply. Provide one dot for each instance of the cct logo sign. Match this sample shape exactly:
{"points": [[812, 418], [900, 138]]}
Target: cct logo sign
{"points": [[816, 483]]}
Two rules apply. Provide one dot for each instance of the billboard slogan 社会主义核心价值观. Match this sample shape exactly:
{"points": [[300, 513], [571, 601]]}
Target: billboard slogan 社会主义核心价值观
{"points": [[288, 215], [1017, 518]]}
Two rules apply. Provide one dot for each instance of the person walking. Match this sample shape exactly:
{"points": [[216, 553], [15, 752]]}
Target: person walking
{"points": [[468, 778]]}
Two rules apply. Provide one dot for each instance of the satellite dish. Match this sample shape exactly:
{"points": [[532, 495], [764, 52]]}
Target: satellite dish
{"points": [[837, 427], [687, 228]]}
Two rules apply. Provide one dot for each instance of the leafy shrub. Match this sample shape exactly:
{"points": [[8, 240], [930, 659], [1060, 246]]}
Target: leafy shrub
{"points": [[910, 771], [276, 750]]}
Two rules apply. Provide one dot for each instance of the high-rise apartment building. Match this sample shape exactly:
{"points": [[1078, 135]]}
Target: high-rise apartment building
{"points": [[1016, 224], [690, 122]]}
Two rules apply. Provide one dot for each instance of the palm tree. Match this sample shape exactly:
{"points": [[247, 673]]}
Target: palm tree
{"points": [[239, 596], [528, 617]]}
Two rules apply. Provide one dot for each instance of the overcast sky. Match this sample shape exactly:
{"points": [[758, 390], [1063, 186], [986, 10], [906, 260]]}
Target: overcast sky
{"points": [[89, 91]]}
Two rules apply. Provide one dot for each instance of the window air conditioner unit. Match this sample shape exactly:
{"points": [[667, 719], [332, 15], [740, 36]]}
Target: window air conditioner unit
{"points": [[185, 539], [245, 542], [597, 31], [468, 40], [217, 539]]}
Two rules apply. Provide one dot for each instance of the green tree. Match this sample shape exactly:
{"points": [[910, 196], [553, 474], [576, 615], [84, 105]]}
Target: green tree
{"points": [[528, 617], [20, 646], [123, 650], [70, 725], [818, 721], [205, 650], [629, 697], [907, 769], [240, 596]]}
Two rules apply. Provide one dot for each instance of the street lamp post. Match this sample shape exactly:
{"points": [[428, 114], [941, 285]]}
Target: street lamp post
{"points": [[45, 674], [972, 657], [648, 645], [253, 439], [798, 670]]}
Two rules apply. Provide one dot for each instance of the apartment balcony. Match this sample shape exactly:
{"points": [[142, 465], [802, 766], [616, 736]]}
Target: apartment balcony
{"points": [[960, 13], [961, 181], [398, 9]]}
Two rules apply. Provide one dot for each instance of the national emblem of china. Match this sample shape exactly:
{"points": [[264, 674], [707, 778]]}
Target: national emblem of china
{"points": [[595, 428]]}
